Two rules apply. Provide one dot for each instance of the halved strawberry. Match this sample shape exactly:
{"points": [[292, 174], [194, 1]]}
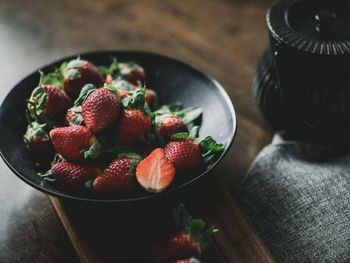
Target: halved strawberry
{"points": [[75, 142], [192, 239], [77, 73], [134, 121], [168, 125], [72, 177], [100, 107], [118, 176], [155, 173], [132, 72]]}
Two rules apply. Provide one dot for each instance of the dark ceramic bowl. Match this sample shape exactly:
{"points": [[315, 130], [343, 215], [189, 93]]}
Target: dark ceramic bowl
{"points": [[173, 80]]}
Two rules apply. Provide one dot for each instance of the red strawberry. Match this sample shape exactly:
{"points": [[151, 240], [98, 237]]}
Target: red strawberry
{"points": [[57, 103], [189, 242], [178, 246], [132, 72], [168, 125], [123, 94], [38, 141], [131, 126], [135, 120], [73, 116], [100, 109], [77, 73], [155, 173], [74, 142], [183, 153], [49, 100], [117, 177], [72, 177], [151, 98]]}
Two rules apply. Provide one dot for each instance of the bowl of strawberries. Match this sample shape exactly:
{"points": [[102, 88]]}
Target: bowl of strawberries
{"points": [[115, 126]]}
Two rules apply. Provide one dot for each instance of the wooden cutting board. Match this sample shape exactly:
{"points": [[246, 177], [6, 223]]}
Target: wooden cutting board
{"points": [[123, 232]]}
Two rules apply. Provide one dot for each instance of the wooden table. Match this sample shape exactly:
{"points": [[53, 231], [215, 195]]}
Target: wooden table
{"points": [[224, 38]]}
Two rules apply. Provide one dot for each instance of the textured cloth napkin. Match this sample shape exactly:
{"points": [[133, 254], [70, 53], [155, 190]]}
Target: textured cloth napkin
{"points": [[297, 198]]}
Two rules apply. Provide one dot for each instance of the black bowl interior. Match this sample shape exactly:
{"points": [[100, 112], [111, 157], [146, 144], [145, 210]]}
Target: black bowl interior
{"points": [[174, 82]]}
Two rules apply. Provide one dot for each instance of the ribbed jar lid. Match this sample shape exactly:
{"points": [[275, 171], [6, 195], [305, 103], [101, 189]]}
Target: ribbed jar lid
{"points": [[319, 27]]}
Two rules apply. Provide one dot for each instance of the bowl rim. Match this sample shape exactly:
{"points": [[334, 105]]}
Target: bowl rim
{"points": [[107, 52]]}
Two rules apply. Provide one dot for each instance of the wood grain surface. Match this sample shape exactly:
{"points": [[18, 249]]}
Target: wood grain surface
{"points": [[224, 38]]}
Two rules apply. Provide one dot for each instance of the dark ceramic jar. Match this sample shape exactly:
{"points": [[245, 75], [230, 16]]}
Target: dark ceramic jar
{"points": [[302, 83]]}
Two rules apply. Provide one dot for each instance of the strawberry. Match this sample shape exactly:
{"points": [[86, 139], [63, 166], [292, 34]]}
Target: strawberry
{"points": [[77, 73], [100, 109], [134, 121], [75, 142], [151, 98], [155, 173], [74, 116], [132, 125], [38, 141], [48, 100], [183, 153], [72, 177], [132, 72], [118, 176], [168, 125], [192, 239]]}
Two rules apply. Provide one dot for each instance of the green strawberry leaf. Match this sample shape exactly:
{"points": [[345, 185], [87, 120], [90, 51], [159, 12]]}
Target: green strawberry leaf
{"points": [[36, 130], [71, 70], [77, 120], [72, 74], [47, 176], [53, 78], [84, 94], [190, 114], [133, 166], [57, 159], [185, 135], [93, 152], [89, 185], [194, 133], [210, 149], [112, 88], [111, 69], [169, 109], [187, 115], [122, 84], [137, 100], [126, 68], [180, 136], [195, 227]]}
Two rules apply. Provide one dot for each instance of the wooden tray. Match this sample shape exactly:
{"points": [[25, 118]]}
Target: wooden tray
{"points": [[121, 232]]}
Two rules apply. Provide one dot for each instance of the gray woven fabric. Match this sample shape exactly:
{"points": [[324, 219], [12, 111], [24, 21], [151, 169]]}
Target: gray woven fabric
{"points": [[297, 197]]}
